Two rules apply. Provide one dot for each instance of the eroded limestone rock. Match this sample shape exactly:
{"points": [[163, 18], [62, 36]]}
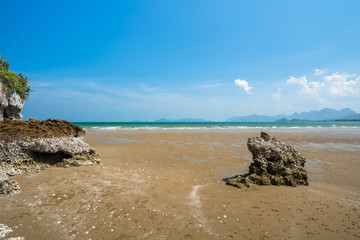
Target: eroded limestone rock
{"points": [[11, 106], [36, 145], [7, 185], [274, 163], [3, 103]]}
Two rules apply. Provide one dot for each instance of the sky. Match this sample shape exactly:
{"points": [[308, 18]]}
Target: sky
{"points": [[144, 60]]}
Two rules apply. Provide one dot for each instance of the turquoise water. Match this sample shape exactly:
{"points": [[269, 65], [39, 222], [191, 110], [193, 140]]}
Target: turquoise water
{"points": [[240, 126]]}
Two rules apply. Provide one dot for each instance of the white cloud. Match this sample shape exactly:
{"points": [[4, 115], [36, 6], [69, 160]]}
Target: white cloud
{"points": [[339, 84], [277, 95], [318, 72], [307, 88], [302, 81], [243, 84], [316, 86], [335, 85]]}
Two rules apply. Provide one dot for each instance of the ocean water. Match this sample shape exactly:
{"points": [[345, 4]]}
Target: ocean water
{"points": [[340, 127]]}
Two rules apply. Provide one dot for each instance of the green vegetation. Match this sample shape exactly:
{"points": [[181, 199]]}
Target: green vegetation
{"points": [[10, 81]]}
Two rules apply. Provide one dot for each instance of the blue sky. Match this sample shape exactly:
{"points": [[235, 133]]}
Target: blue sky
{"points": [[144, 60]]}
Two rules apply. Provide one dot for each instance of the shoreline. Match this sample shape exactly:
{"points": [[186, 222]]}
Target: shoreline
{"points": [[157, 185], [129, 131], [218, 126]]}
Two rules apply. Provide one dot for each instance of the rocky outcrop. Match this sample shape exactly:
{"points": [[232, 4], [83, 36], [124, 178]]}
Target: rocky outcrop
{"points": [[34, 145], [32, 128], [3, 103], [7, 185], [10, 106], [274, 163]]}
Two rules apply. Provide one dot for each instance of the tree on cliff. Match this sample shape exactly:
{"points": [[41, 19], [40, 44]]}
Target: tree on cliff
{"points": [[10, 81]]}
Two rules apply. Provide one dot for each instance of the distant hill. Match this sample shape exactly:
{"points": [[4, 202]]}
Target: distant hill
{"points": [[350, 117], [326, 114], [255, 118], [182, 120]]}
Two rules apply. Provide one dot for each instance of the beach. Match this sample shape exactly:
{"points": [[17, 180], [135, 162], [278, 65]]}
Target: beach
{"points": [[177, 120], [167, 184]]}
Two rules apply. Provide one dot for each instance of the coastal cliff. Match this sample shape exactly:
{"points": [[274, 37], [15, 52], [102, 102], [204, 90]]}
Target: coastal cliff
{"points": [[14, 91], [34, 145]]}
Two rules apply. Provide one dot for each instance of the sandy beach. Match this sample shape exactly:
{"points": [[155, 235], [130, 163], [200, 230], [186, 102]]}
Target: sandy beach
{"points": [[180, 120], [168, 185]]}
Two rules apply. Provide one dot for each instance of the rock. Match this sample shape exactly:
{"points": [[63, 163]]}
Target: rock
{"points": [[3, 104], [265, 136], [7, 185], [33, 128], [274, 163], [35, 145], [10, 106], [4, 230], [15, 107]]}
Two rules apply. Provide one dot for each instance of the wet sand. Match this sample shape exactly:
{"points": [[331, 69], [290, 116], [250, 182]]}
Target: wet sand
{"points": [[167, 185]]}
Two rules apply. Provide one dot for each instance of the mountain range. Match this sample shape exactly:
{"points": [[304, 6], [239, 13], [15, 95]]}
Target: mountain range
{"points": [[181, 120], [326, 114]]}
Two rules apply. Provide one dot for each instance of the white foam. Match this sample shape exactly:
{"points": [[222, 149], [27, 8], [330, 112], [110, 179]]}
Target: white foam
{"points": [[222, 128]]}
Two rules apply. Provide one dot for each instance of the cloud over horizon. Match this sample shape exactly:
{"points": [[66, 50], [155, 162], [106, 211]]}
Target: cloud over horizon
{"points": [[340, 84], [243, 84], [334, 85], [306, 87]]}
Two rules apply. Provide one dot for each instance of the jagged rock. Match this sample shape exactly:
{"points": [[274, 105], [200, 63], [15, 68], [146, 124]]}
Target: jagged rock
{"points": [[7, 185], [265, 136], [11, 106], [274, 163], [35, 145], [3, 103], [15, 107]]}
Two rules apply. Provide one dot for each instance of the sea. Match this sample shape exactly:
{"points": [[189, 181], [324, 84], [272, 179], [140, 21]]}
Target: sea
{"points": [[351, 127]]}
